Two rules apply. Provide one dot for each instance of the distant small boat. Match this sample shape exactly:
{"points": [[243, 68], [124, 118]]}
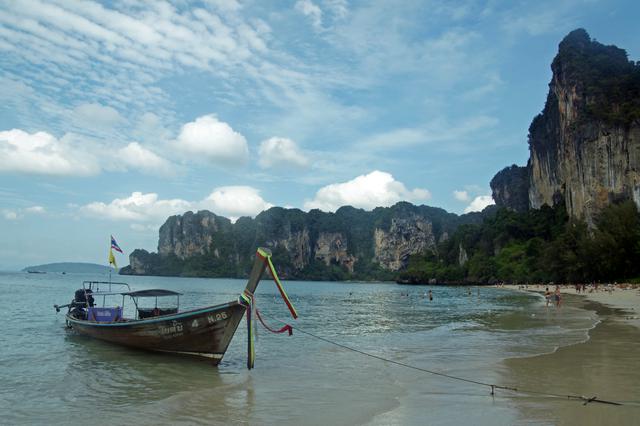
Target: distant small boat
{"points": [[204, 332], [36, 272]]}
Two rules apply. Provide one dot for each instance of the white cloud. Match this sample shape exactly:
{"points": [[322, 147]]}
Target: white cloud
{"points": [[479, 203], [213, 139], [281, 152], [74, 155], [144, 227], [235, 201], [150, 128], [19, 213], [312, 11], [10, 215], [35, 210], [376, 189], [137, 207], [88, 115], [437, 130], [138, 157], [339, 8], [397, 138], [42, 153], [148, 210], [461, 195]]}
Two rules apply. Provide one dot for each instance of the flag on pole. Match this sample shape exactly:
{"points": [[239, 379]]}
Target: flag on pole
{"points": [[115, 245], [112, 259]]}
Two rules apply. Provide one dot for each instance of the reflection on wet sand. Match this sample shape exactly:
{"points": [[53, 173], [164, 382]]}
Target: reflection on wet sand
{"points": [[605, 366]]}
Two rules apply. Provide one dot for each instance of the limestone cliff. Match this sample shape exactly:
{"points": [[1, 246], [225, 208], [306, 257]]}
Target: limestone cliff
{"points": [[585, 145], [191, 234], [348, 244], [510, 188], [406, 236]]}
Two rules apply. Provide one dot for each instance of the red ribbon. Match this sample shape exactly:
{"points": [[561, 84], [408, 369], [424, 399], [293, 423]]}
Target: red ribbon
{"points": [[287, 327]]}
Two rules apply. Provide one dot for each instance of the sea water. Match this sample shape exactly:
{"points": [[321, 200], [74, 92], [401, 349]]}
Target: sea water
{"points": [[52, 376]]}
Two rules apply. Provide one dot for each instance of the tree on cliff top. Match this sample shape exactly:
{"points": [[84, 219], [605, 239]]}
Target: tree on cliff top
{"points": [[609, 81]]}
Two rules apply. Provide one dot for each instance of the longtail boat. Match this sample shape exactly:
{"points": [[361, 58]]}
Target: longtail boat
{"points": [[203, 332]]}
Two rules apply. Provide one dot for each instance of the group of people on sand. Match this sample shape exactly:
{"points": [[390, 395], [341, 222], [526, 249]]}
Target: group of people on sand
{"points": [[555, 297]]}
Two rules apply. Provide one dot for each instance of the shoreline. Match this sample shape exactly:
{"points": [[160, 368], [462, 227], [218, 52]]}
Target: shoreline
{"points": [[604, 366], [625, 300]]}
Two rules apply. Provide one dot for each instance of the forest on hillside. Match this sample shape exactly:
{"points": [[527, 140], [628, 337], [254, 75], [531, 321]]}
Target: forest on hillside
{"points": [[537, 246]]}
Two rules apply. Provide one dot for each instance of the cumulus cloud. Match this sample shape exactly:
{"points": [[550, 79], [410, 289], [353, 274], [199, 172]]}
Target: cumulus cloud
{"points": [[145, 210], [461, 195], [376, 189], [42, 153], [281, 152], [236, 201], [479, 203], [137, 207], [216, 140], [138, 157], [74, 155]]}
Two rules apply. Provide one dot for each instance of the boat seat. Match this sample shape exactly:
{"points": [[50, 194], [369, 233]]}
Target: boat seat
{"points": [[104, 314], [155, 312]]}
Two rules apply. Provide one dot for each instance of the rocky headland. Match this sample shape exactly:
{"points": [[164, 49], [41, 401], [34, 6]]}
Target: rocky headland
{"points": [[585, 144]]}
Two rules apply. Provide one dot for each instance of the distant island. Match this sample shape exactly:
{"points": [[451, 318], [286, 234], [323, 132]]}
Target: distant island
{"points": [[72, 267]]}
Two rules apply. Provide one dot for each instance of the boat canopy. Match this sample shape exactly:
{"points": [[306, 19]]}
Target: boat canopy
{"points": [[151, 293]]}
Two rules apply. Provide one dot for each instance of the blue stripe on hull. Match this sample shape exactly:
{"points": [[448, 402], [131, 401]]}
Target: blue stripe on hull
{"points": [[153, 320]]}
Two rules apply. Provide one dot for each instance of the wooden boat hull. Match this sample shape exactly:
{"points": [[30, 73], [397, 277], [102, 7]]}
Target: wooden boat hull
{"points": [[204, 332]]}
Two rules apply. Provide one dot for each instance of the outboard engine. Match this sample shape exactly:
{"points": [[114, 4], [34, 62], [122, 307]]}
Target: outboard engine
{"points": [[81, 298]]}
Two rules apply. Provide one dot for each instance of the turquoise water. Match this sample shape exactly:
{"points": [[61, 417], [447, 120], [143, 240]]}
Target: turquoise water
{"points": [[49, 375]]}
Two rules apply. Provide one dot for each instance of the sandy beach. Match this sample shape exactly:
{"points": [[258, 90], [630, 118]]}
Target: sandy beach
{"points": [[626, 299], [606, 366]]}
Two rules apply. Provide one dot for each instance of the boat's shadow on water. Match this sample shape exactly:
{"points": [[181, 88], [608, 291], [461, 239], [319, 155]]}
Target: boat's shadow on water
{"points": [[122, 376]]}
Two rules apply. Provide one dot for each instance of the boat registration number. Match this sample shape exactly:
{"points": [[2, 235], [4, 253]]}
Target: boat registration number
{"points": [[217, 317]]}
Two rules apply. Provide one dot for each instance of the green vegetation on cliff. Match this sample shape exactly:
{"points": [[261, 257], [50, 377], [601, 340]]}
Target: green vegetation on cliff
{"points": [[350, 244], [536, 246], [608, 79]]}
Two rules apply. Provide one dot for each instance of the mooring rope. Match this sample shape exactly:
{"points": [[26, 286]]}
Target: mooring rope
{"points": [[586, 400]]}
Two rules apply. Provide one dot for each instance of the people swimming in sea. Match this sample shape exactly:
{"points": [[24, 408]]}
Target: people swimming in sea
{"points": [[430, 296]]}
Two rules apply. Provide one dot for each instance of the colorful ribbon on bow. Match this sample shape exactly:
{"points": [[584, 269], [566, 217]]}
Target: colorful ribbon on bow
{"points": [[283, 293], [249, 302], [286, 327]]}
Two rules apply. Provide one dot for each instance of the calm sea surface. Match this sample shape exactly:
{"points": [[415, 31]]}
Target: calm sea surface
{"points": [[51, 376]]}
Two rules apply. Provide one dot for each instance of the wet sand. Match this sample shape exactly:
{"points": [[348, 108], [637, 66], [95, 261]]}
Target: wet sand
{"points": [[627, 299], [606, 366]]}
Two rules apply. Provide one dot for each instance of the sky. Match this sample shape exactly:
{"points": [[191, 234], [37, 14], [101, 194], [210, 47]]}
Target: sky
{"points": [[116, 115]]}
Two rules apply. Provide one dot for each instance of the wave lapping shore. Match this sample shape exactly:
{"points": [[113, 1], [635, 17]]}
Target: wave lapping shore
{"points": [[625, 297], [603, 366]]}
